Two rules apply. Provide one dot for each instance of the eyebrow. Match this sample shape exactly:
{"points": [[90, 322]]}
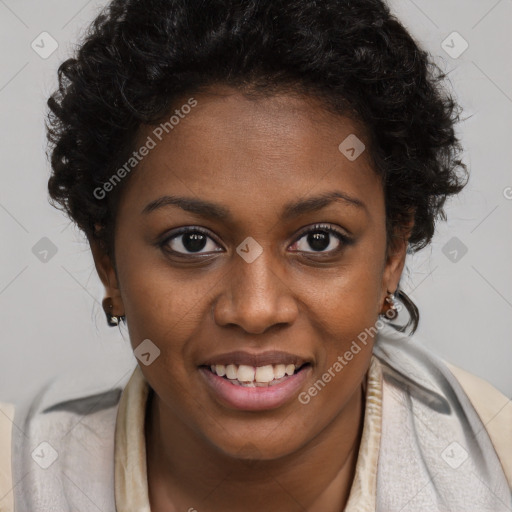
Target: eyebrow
{"points": [[291, 210]]}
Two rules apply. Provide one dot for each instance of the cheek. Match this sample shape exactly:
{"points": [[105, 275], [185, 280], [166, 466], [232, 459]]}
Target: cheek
{"points": [[170, 309], [344, 312], [346, 301], [347, 340], [160, 301], [347, 334]]}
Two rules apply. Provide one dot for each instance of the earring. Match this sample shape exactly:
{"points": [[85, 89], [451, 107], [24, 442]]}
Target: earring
{"points": [[112, 320], [390, 306]]}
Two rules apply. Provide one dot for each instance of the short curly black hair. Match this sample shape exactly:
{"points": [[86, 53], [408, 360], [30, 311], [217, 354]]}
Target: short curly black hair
{"points": [[139, 57]]}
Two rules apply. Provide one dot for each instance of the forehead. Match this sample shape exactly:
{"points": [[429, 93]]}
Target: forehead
{"points": [[234, 149]]}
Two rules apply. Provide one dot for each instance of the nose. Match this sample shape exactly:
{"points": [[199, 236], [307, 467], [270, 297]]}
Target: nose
{"points": [[255, 296]]}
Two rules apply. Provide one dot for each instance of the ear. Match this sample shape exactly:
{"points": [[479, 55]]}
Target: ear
{"points": [[107, 274], [395, 260]]}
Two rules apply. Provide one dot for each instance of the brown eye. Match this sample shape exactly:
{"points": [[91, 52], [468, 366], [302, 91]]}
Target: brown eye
{"points": [[321, 239], [189, 240]]}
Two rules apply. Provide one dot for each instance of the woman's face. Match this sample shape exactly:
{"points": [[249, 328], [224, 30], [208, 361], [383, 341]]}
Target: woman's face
{"points": [[258, 277]]}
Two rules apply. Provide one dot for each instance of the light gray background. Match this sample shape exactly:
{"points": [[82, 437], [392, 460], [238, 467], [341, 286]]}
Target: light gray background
{"points": [[50, 313]]}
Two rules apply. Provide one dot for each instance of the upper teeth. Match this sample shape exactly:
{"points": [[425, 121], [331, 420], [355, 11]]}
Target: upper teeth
{"points": [[245, 373]]}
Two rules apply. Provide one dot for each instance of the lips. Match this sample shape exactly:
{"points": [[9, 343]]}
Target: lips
{"points": [[257, 397], [255, 381]]}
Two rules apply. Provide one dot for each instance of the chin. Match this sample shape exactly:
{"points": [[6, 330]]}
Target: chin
{"points": [[265, 444]]}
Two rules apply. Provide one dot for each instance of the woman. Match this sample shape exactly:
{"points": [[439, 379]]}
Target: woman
{"points": [[250, 177]]}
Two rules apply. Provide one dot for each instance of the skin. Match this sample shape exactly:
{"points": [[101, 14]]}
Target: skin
{"points": [[252, 157]]}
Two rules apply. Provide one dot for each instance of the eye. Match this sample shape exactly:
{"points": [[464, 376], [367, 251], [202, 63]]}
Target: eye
{"points": [[189, 240], [320, 238], [192, 240]]}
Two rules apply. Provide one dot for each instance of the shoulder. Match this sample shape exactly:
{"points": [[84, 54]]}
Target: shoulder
{"points": [[409, 361], [81, 404], [75, 413], [494, 410], [6, 424]]}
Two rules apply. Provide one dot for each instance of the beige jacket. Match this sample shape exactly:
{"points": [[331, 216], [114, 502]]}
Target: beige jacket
{"points": [[131, 492]]}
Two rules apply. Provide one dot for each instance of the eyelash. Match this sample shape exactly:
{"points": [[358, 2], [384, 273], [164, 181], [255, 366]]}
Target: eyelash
{"points": [[344, 239]]}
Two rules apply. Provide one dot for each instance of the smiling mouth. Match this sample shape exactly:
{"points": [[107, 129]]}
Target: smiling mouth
{"points": [[255, 377]]}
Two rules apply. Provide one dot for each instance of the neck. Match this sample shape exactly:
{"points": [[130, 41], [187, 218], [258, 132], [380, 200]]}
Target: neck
{"points": [[186, 473]]}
